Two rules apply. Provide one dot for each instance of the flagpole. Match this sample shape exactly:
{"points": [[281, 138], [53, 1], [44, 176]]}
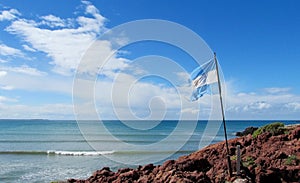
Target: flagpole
{"points": [[223, 117]]}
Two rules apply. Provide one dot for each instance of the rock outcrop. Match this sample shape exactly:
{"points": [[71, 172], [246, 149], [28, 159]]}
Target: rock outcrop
{"points": [[247, 131], [265, 158]]}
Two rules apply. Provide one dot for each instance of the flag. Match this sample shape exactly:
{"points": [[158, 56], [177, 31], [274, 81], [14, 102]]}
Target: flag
{"points": [[202, 77]]}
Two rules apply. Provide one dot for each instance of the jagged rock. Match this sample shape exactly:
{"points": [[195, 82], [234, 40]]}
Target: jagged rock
{"points": [[247, 131], [192, 165], [269, 176], [295, 134]]}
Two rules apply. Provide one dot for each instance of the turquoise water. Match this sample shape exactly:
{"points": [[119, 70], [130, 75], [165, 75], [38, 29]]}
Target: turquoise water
{"points": [[48, 150]]}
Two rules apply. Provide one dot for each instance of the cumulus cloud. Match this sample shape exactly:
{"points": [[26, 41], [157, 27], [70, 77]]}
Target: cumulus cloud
{"points": [[262, 105], [259, 105], [9, 14], [128, 98], [53, 21], [293, 106], [64, 45]]}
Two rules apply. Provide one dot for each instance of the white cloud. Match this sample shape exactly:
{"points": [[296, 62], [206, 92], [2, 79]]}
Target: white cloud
{"points": [[190, 110], [276, 90], [65, 46], [7, 87], [2, 98], [53, 21], [28, 48], [4, 87], [95, 60], [127, 97], [183, 77], [262, 105], [9, 51], [46, 111], [2, 73], [294, 106], [52, 18], [3, 61], [25, 69], [9, 14], [6, 99], [37, 82], [259, 105]]}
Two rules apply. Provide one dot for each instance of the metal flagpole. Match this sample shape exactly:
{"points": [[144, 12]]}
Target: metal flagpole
{"points": [[223, 116]]}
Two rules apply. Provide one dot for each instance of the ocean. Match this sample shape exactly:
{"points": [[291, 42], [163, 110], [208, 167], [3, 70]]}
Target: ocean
{"points": [[51, 150]]}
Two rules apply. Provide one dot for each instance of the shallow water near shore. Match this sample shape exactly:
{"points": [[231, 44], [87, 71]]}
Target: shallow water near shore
{"points": [[49, 150]]}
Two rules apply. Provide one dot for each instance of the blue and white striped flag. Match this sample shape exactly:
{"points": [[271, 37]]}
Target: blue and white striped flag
{"points": [[202, 77]]}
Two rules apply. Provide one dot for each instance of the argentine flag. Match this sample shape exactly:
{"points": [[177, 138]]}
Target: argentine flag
{"points": [[202, 77]]}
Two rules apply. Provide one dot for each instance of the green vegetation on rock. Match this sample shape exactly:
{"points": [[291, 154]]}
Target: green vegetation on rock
{"points": [[273, 128], [248, 161], [233, 158], [292, 160]]}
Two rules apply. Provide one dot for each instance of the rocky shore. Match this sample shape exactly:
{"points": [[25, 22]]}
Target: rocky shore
{"points": [[269, 156]]}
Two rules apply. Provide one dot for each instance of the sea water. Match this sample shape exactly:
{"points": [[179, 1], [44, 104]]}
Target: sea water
{"points": [[50, 150]]}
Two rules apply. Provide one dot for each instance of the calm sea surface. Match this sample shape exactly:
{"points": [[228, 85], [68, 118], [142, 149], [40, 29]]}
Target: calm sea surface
{"points": [[49, 150]]}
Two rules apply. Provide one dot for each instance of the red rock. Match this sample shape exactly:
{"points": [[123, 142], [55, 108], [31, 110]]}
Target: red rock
{"points": [[168, 165], [122, 170], [295, 134], [192, 165], [269, 176], [130, 175], [266, 156], [281, 155], [247, 140], [147, 167]]}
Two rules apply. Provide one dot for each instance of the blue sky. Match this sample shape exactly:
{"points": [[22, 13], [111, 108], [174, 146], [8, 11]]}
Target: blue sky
{"points": [[41, 43]]}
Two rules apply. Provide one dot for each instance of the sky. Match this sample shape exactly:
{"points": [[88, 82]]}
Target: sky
{"points": [[43, 45]]}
